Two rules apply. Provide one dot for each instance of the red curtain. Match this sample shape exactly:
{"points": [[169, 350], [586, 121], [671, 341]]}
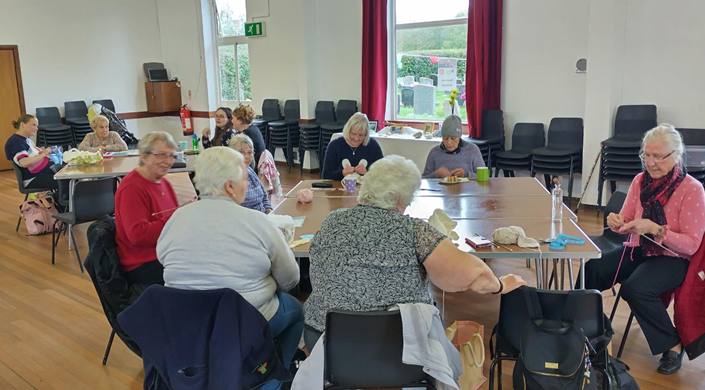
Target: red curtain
{"points": [[374, 59], [483, 75]]}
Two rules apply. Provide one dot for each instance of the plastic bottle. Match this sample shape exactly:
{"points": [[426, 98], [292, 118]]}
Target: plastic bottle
{"points": [[195, 142], [557, 202]]}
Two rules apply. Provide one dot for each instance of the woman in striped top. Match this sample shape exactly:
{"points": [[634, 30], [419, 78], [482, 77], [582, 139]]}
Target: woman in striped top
{"points": [[256, 197]]}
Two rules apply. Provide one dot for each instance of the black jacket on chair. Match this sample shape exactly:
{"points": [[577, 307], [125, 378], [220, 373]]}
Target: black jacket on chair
{"points": [[211, 339], [103, 265]]}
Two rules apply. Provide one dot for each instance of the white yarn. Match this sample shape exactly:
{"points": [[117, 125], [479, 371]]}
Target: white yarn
{"points": [[514, 235]]}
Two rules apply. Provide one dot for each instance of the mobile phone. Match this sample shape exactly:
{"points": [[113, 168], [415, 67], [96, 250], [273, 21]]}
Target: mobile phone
{"points": [[322, 184]]}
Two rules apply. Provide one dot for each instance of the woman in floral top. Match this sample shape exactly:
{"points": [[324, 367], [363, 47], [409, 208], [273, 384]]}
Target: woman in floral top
{"points": [[102, 139], [373, 257]]}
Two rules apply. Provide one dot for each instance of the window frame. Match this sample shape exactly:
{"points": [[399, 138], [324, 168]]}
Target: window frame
{"points": [[392, 44], [228, 41]]}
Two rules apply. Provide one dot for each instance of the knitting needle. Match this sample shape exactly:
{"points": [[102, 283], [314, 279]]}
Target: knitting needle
{"points": [[429, 189], [195, 198], [502, 246], [648, 238]]}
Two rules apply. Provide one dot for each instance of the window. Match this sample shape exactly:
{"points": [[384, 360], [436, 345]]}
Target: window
{"points": [[233, 53], [430, 43]]}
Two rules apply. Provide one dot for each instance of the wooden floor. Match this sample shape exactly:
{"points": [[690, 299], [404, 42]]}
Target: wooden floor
{"points": [[53, 331]]}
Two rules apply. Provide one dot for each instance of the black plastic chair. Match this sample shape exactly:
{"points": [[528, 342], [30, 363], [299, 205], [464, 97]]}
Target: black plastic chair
{"points": [[525, 138], [24, 190], [364, 351], [107, 103], [310, 133], [344, 110], [91, 200], [491, 141], [51, 130], [77, 118], [270, 112], [284, 134], [563, 153], [513, 314]]}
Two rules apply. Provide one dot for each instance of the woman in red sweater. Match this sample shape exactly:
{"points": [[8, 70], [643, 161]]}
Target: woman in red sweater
{"points": [[144, 202], [668, 205]]}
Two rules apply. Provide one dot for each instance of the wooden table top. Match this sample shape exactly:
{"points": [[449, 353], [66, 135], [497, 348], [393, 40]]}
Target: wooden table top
{"points": [[469, 227], [468, 207], [113, 167], [501, 186]]}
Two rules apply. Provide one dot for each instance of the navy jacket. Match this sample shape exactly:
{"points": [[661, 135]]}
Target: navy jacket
{"points": [[338, 150], [212, 339]]}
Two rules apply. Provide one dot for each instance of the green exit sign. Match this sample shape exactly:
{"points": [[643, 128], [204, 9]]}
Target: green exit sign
{"points": [[254, 29]]}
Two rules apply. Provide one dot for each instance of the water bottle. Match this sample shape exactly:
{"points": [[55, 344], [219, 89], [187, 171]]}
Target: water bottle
{"points": [[195, 142], [557, 202]]}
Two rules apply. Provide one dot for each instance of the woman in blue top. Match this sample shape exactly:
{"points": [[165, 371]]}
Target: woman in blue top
{"points": [[355, 145], [34, 162], [256, 197]]}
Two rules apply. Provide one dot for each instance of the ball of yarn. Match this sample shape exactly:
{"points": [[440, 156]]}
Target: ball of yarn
{"points": [[508, 235], [304, 196]]}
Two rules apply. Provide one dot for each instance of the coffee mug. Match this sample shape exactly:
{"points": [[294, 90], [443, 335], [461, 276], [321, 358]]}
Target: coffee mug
{"points": [[350, 183], [183, 145], [483, 174]]}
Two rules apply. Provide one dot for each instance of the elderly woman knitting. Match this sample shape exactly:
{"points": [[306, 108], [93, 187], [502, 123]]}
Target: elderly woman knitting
{"points": [[668, 205], [373, 257], [216, 243], [453, 157], [256, 198]]}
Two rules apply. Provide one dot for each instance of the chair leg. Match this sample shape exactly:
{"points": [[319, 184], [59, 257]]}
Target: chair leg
{"points": [[547, 180], [17, 229], [600, 186], [570, 184], [624, 338], [616, 302], [496, 171], [613, 186], [53, 241], [107, 349], [78, 256], [499, 374]]}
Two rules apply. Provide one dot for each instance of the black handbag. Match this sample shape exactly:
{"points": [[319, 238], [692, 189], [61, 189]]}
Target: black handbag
{"points": [[554, 354]]}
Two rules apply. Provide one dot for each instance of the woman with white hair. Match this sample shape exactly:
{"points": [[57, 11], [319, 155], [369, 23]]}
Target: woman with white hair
{"points": [[373, 257], [144, 201], [668, 205], [354, 146], [256, 198], [244, 250], [102, 139]]}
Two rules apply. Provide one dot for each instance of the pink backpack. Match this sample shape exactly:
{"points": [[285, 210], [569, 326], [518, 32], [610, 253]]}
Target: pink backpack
{"points": [[37, 214]]}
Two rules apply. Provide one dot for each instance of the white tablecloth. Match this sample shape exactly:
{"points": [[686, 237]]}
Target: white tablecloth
{"points": [[414, 149]]}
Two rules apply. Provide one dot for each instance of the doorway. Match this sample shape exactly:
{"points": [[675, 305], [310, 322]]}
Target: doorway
{"points": [[11, 96]]}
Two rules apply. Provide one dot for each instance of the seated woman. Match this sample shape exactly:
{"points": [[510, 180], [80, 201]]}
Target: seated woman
{"points": [[34, 162], [242, 250], [242, 123], [355, 145], [144, 201], [102, 139], [373, 257], [453, 157], [666, 204], [256, 198], [223, 129]]}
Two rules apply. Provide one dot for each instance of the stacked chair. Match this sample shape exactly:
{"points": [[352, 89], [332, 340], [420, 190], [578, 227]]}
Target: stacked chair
{"points": [[563, 154], [310, 133], [107, 103], [525, 138], [694, 140], [51, 130], [619, 155], [284, 134], [77, 118], [345, 109], [270, 113], [492, 139]]}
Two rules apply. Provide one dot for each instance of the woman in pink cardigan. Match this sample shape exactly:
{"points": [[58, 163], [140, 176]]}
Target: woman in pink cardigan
{"points": [[668, 205]]}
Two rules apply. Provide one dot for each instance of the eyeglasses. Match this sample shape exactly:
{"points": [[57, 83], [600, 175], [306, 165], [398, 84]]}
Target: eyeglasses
{"points": [[654, 158], [165, 156], [247, 153], [221, 117]]}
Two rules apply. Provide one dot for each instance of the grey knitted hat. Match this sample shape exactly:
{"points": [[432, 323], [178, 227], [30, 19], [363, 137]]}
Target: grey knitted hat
{"points": [[452, 127]]}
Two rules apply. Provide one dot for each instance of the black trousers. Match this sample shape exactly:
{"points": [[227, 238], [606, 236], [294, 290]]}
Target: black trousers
{"points": [[146, 274], [44, 180], [642, 280]]}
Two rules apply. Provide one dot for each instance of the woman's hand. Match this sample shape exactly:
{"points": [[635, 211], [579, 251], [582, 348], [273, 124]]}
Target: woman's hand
{"points": [[511, 283], [195, 198], [45, 152], [615, 221], [206, 133], [360, 169], [348, 170], [267, 211], [640, 226], [442, 172], [460, 172]]}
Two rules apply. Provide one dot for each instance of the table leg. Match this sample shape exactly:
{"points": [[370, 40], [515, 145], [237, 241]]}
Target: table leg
{"points": [[528, 263], [546, 267], [563, 274], [72, 185], [570, 273], [582, 274], [539, 277]]}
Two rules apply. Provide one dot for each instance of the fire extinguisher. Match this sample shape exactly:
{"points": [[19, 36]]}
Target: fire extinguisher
{"points": [[186, 121]]}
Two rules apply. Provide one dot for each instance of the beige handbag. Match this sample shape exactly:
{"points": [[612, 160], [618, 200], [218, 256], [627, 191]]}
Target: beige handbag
{"points": [[467, 338]]}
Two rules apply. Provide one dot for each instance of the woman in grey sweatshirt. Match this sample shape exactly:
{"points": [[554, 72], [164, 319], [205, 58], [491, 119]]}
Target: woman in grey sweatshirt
{"points": [[453, 157]]}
